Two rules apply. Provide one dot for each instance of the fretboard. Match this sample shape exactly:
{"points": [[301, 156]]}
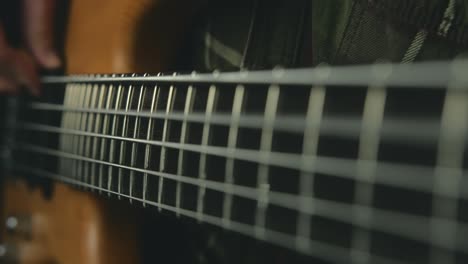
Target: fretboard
{"points": [[348, 164]]}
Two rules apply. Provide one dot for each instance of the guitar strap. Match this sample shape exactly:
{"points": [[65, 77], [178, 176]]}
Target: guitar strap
{"points": [[251, 34], [278, 34]]}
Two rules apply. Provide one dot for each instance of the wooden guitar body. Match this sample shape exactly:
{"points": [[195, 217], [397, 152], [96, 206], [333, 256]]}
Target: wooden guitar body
{"points": [[332, 164], [71, 226]]}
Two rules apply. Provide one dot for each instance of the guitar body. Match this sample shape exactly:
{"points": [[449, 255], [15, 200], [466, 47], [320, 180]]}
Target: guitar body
{"points": [[68, 225], [339, 164]]}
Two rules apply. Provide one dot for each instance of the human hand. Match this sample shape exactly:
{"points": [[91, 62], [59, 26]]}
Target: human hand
{"points": [[19, 67]]}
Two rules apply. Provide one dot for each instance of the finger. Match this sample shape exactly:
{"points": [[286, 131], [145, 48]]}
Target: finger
{"points": [[17, 68], [7, 85], [39, 31], [26, 72]]}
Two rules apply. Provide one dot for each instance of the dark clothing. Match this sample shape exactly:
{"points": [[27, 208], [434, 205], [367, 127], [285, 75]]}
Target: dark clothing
{"points": [[363, 31], [259, 34]]}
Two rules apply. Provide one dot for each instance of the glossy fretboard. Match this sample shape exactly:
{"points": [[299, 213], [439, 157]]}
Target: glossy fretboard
{"points": [[347, 164]]}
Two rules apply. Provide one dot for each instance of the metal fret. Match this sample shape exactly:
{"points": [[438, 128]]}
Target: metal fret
{"points": [[115, 124], [73, 119], [386, 220], [149, 135], [105, 129], [309, 152], [83, 126], [80, 126], [165, 135], [189, 100], [123, 144], [373, 115], [101, 103], [313, 167], [451, 148], [415, 132], [291, 123], [316, 169], [90, 127], [389, 221], [62, 139], [232, 141], [66, 121], [390, 174], [329, 252], [136, 132], [263, 184], [77, 125], [75, 93], [210, 105]]}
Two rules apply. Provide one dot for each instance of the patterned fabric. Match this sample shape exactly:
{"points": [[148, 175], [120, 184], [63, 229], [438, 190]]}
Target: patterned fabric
{"points": [[363, 31], [259, 34]]}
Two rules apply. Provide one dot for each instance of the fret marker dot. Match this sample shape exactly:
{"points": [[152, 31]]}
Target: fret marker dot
{"points": [[382, 71], [278, 72], [244, 73], [322, 72]]}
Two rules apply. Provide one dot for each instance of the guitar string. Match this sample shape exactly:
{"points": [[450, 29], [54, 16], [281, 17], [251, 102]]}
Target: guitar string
{"points": [[356, 134], [384, 220], [417, 75], [403, 130], [325, 251], [389, 173]]}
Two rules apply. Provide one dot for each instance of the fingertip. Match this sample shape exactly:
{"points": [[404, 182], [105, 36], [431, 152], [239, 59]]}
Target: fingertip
{"points": [[33, 86], [34, 91], [54, 61], [50, 60], [7, 85], [26, 73], [39, 32]]}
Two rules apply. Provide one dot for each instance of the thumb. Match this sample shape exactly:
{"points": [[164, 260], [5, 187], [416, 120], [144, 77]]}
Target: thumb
{"points": [[39, 31]]}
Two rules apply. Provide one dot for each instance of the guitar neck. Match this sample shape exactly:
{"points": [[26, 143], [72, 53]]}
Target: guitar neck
{"points": [[373, 154]]}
